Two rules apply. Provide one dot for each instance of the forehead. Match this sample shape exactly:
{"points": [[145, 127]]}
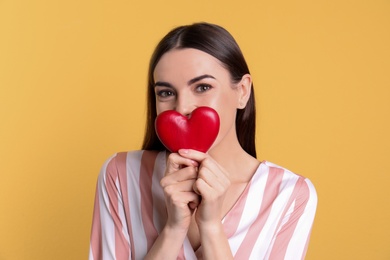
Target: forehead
{"points": [[187, 63]]}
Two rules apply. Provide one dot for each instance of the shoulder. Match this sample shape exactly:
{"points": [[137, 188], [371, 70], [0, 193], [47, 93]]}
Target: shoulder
{"points": [[122, 162], [129, 157], [299, 186]]}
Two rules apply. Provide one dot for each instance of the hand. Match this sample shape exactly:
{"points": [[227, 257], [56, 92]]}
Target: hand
{"points": [[211, 184], [180, 199]]}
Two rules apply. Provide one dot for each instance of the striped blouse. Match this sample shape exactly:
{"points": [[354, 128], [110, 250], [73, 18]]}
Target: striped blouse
{"points": [[272, 219]]}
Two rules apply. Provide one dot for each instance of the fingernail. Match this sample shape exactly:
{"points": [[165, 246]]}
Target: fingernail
{"points": [[185, 151]]}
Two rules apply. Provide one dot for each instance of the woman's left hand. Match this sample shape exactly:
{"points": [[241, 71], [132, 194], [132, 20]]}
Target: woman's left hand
{"points": [[212, 184]]}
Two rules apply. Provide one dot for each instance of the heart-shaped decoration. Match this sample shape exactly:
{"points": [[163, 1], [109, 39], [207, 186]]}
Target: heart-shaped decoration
{"points": [[198, 131]]}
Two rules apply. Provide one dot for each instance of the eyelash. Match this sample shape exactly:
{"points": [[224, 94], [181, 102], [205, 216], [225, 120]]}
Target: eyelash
{"points": [[166, 93], [202, 88]]}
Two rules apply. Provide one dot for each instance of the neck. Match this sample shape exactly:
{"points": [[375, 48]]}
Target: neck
{"points": [[232, 157]]}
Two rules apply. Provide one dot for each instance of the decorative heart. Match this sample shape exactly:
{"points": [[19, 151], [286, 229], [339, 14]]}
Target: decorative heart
{"points": [[198, 131]]}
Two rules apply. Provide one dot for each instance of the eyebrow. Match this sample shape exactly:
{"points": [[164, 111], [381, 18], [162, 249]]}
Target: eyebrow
{"points": [[163, 84], [205, 76], [190, 82]]}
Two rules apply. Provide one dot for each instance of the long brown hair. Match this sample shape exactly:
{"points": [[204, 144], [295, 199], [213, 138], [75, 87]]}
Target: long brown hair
{"points": [[219, 43]]}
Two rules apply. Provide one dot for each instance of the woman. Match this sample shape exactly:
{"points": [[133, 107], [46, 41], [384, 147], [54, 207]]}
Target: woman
{"points": [[223, 204]]}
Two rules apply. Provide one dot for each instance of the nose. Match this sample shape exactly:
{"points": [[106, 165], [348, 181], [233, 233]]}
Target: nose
{"points": [[185, 105]]}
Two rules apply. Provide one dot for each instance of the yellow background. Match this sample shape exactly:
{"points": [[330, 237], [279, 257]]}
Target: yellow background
{"points": [[72, 92]]}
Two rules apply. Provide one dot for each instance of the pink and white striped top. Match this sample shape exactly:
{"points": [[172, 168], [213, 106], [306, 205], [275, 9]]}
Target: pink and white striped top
{"points": [[272, 219]]}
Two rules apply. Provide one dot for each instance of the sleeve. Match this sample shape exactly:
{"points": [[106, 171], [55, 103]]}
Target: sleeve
{"points": [[292, 239], [109, 235]]}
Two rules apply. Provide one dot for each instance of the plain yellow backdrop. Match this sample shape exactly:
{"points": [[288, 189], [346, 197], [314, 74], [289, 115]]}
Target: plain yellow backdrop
{"points": [[72, 93]]}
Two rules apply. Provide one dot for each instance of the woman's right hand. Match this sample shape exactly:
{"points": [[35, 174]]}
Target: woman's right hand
{"points": [[181, 201], [180, 198]]}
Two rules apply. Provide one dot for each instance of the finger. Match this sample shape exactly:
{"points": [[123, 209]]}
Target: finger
{"points": [[204, 159], [195, 188], [188, 173], [210, 185], [184, 199], [212, 173], [182, 193], [209, 179], [175, 162], [193, 154], [201, 187], [193, 204]]}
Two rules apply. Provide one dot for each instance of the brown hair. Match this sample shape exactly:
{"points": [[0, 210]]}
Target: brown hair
{"points": [[219, 43]]}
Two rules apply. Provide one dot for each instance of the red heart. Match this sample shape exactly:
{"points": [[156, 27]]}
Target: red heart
{"points": [[197, 132]]}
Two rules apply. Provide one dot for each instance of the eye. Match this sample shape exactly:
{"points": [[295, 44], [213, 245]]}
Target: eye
{"points": [[164, 93], [202, 88]]}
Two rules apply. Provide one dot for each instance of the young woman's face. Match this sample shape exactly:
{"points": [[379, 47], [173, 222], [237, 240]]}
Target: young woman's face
{"points": [[189, 78]]}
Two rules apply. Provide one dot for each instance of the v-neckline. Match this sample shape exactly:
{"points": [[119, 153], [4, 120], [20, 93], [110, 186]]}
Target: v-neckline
{"points": [[244, 191], [235, 205]]}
